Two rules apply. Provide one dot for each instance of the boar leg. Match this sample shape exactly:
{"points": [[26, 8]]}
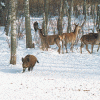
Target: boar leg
{"points": [[24, 70], [29, 68]]}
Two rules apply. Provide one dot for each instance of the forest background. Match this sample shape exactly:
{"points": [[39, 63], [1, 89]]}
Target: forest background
{"points": [[36, 7]]}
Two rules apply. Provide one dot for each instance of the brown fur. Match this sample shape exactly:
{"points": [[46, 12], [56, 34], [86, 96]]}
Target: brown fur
{"points": [[29, 62], [49, 40], [91, 38], [69, 37]]}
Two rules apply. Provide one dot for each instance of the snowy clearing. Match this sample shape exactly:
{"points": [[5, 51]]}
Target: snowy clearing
{"points": [[71, 76]]}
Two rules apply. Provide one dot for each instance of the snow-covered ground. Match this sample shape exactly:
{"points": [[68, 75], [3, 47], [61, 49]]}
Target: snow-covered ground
{"points": [[71, 76]]}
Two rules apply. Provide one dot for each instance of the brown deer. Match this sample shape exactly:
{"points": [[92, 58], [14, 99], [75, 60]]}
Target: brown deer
{"points": [[91, 38], [69, 37], [47, 40]]}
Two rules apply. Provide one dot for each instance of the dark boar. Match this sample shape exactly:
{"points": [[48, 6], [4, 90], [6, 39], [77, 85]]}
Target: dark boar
{"points": [[29, 62]]}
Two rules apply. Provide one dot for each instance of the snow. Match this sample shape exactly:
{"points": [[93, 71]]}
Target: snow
{"points": [[68, 76]]}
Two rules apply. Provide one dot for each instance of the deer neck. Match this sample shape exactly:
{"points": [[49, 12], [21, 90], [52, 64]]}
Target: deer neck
{"points": [[41, 34], [76, 31]]}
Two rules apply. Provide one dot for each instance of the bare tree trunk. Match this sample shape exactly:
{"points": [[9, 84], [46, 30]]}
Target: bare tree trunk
{"points": [[60, 19], [84, 9], [45, 22], [13, 32], [69, 17], [27, 25], [94, 17], [8, 14], [98, 17], [38, 7]]}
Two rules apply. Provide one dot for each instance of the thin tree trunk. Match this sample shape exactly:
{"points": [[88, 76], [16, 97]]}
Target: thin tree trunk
{"points": [[45, 23], [98, 17], [66, 2], [69, 17], [8, 12], [94, 17], [38, 7], [13, 32], [27, 25], [60, 19], [84, 9]]}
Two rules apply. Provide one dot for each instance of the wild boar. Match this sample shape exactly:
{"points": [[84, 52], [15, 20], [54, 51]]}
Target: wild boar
{"points": [[29, 62]]}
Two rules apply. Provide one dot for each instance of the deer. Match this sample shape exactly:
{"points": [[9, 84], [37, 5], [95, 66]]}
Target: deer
{"points": [[92, 39], [48, 40], [70, 37]]}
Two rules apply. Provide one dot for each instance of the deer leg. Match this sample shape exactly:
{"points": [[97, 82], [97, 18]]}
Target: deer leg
{"points": [[47, 46], [66, 46], [98, 47], [82, 45], [62, 46], [71, 47], [92, 48], [59, 48], [58, 44], [87, 48]]}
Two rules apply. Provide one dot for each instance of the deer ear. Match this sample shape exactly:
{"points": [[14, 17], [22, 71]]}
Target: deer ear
{"points": [[28, 59], [64, 36], [74, 24], [22, 59], [59, 36]]}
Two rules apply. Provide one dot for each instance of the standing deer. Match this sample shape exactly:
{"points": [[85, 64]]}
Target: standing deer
{"points": [[91, 38], [48, 39], [69, 37]]}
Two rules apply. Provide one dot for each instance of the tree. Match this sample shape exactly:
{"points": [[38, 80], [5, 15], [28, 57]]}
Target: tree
{"points": [[69, 17], [84, 9], [59, 23], [98, 17], [45, 19], [2, 12], [27, 25], [13, 32], [8, 13]]}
